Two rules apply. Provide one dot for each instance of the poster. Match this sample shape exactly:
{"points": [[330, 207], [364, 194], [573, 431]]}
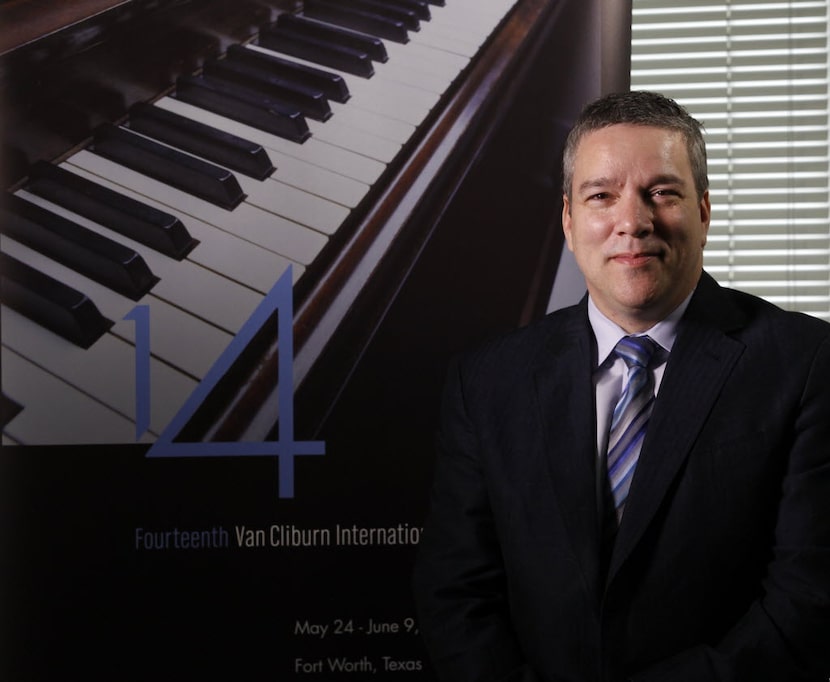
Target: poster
{"points": [[151, 547]]}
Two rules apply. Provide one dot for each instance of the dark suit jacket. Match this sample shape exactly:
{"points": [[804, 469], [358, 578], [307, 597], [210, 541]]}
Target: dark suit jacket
{"points": [[720, 569]]}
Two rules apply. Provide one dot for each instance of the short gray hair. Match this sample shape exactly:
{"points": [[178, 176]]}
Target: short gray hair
{"points": [[638, 108]]}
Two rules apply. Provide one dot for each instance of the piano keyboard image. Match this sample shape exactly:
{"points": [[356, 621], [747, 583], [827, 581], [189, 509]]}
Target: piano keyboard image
{"points": [[201, 199]]}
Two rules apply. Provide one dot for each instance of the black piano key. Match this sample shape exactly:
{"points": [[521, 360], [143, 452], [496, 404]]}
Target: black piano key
{"points": [[343, 59], [419, 7], [9, 409], [156, 229], [330, 83], [230, 151], [398, 12], [359, 19], [243, 105], [187, 173], [334, 35], [50, 303], [310, 102], [93, 255]]}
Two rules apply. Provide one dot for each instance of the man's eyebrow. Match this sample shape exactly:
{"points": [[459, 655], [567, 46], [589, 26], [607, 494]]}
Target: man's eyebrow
{"points": [[595, 183], [668, 179], [602, 182]]}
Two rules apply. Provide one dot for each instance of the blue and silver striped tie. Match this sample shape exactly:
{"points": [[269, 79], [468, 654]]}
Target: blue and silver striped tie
{"points": [[631, 415]]}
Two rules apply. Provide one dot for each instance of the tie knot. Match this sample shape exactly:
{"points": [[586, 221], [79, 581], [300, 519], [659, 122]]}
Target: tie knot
{"points": [[636, 350]]}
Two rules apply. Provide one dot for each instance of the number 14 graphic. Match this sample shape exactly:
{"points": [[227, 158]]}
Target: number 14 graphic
{"points": [[285, 448]]}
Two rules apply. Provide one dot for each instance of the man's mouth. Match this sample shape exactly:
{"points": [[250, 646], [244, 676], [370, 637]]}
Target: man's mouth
{"points": [[635, 259]]}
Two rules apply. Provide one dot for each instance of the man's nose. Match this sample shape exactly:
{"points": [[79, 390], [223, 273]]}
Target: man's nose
{"points": [[635, 216]]}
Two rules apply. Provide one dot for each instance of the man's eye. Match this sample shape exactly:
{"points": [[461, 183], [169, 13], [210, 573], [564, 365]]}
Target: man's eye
{"points": [[664, 193]]}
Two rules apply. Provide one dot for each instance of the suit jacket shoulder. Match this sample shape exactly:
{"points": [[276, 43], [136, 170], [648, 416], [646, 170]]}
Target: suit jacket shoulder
{"points": [[525, 349]]}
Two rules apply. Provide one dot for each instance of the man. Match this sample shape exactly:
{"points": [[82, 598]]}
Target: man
{"points": [[559, 550]]}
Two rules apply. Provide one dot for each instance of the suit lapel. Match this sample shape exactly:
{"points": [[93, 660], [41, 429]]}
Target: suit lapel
{"points": [[566, 411], [699, 365]]}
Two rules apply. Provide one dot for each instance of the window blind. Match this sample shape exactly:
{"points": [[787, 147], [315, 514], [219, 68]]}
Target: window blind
{"points": [[755, 74]]}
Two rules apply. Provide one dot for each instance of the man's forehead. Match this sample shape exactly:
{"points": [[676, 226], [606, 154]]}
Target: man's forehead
{"points": [[626, 131], [627, 147]]}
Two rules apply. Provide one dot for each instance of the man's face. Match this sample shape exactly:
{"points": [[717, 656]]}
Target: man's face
{"points": [[635, 223]]}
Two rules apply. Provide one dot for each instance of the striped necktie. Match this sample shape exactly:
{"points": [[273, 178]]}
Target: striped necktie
{"points": [[631, 415]]}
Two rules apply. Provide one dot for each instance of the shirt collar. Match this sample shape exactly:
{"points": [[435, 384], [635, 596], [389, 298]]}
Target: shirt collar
{"points": [[608, 333]]}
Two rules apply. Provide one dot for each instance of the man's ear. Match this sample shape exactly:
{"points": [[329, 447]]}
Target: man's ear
{"points": [[566, 220], [705, 214]]}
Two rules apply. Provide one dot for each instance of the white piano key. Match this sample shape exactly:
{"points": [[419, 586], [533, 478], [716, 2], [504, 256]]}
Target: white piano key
{"points": [[334, 132], [55, 413], [475, 12], [181, 339], [185, 284], [392, 98], [184, 341], [383, 96], [320, 154], [447, 41], [459, 34], [410, 103], [284, 200], [371, 121], [296, 242], [336, 191], [276, 197], [317, 180], [105, 371], [428, 59], [388, 98], [432, 66], [465, 20], [381, 126], [412, 74], [296, 205], [220, 251]]}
